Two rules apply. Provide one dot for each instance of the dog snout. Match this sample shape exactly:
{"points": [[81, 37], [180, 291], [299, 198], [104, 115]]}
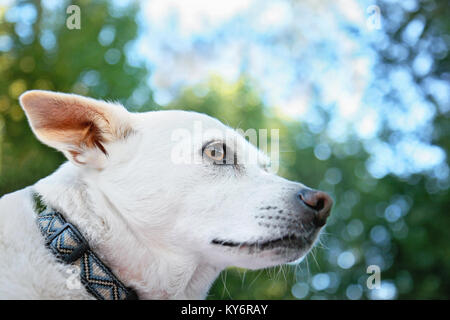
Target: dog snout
{"points": [[319, 202]]}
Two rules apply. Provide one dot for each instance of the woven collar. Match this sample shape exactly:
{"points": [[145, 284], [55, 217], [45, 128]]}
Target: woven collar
{"points": [[70, 247]]}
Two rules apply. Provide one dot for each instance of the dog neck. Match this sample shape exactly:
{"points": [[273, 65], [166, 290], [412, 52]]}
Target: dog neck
{"points": [[154, 270]]}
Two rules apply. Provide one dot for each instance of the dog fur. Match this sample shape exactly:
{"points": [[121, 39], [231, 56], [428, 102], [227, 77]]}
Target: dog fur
{"points": [[165, 227]]}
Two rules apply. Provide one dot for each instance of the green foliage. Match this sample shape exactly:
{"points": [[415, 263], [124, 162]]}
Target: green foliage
{"points": [[74, 62], [391, 222], [398, 223]]}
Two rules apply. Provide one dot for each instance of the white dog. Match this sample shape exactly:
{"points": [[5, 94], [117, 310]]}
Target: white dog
{"points": [[163, 207]]}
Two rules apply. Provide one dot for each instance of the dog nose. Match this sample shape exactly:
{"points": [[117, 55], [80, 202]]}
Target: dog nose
{"points": [[318, 201]]}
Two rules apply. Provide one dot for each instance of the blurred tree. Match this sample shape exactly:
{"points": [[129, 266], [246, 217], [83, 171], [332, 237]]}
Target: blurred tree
{"points": [[394, 223], [38, 51], [239, 105]]}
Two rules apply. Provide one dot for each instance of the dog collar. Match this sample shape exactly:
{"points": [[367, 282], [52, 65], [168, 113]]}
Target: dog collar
{"points": [[67, 243]]}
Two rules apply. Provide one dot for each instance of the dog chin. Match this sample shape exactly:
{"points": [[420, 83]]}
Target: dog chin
{"points": [[268, 258]]}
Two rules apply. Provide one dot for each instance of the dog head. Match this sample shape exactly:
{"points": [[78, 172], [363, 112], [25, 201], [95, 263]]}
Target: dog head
{"points": [[183, 181]]}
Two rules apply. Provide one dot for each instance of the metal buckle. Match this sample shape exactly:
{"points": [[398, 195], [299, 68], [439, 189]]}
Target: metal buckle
{"points": [[82, 245]]}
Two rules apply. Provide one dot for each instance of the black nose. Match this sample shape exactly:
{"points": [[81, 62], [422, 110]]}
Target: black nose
{"points": [[319, 202]]}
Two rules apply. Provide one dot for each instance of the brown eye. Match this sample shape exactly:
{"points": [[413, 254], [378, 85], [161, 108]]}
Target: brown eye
{"points": [[215, 151]]}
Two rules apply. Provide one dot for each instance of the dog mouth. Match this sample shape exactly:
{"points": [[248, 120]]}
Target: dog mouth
{"points": [[289, 241]]}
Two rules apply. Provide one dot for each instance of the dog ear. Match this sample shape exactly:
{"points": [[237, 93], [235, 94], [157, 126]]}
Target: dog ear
{"points": [[79, 127]]}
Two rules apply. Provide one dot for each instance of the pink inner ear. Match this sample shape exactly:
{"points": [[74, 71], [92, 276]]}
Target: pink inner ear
{"points": [[65, 119]]}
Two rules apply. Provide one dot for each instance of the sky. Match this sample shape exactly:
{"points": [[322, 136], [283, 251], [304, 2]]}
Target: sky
{"points": [[314, 53], [300, 56]]}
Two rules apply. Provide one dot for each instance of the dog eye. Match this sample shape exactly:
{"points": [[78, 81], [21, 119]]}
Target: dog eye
{"points": [[215, 151]]}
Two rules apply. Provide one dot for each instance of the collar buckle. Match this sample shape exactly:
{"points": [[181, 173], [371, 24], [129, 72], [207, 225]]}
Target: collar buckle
{"points": [[68, 243]]}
